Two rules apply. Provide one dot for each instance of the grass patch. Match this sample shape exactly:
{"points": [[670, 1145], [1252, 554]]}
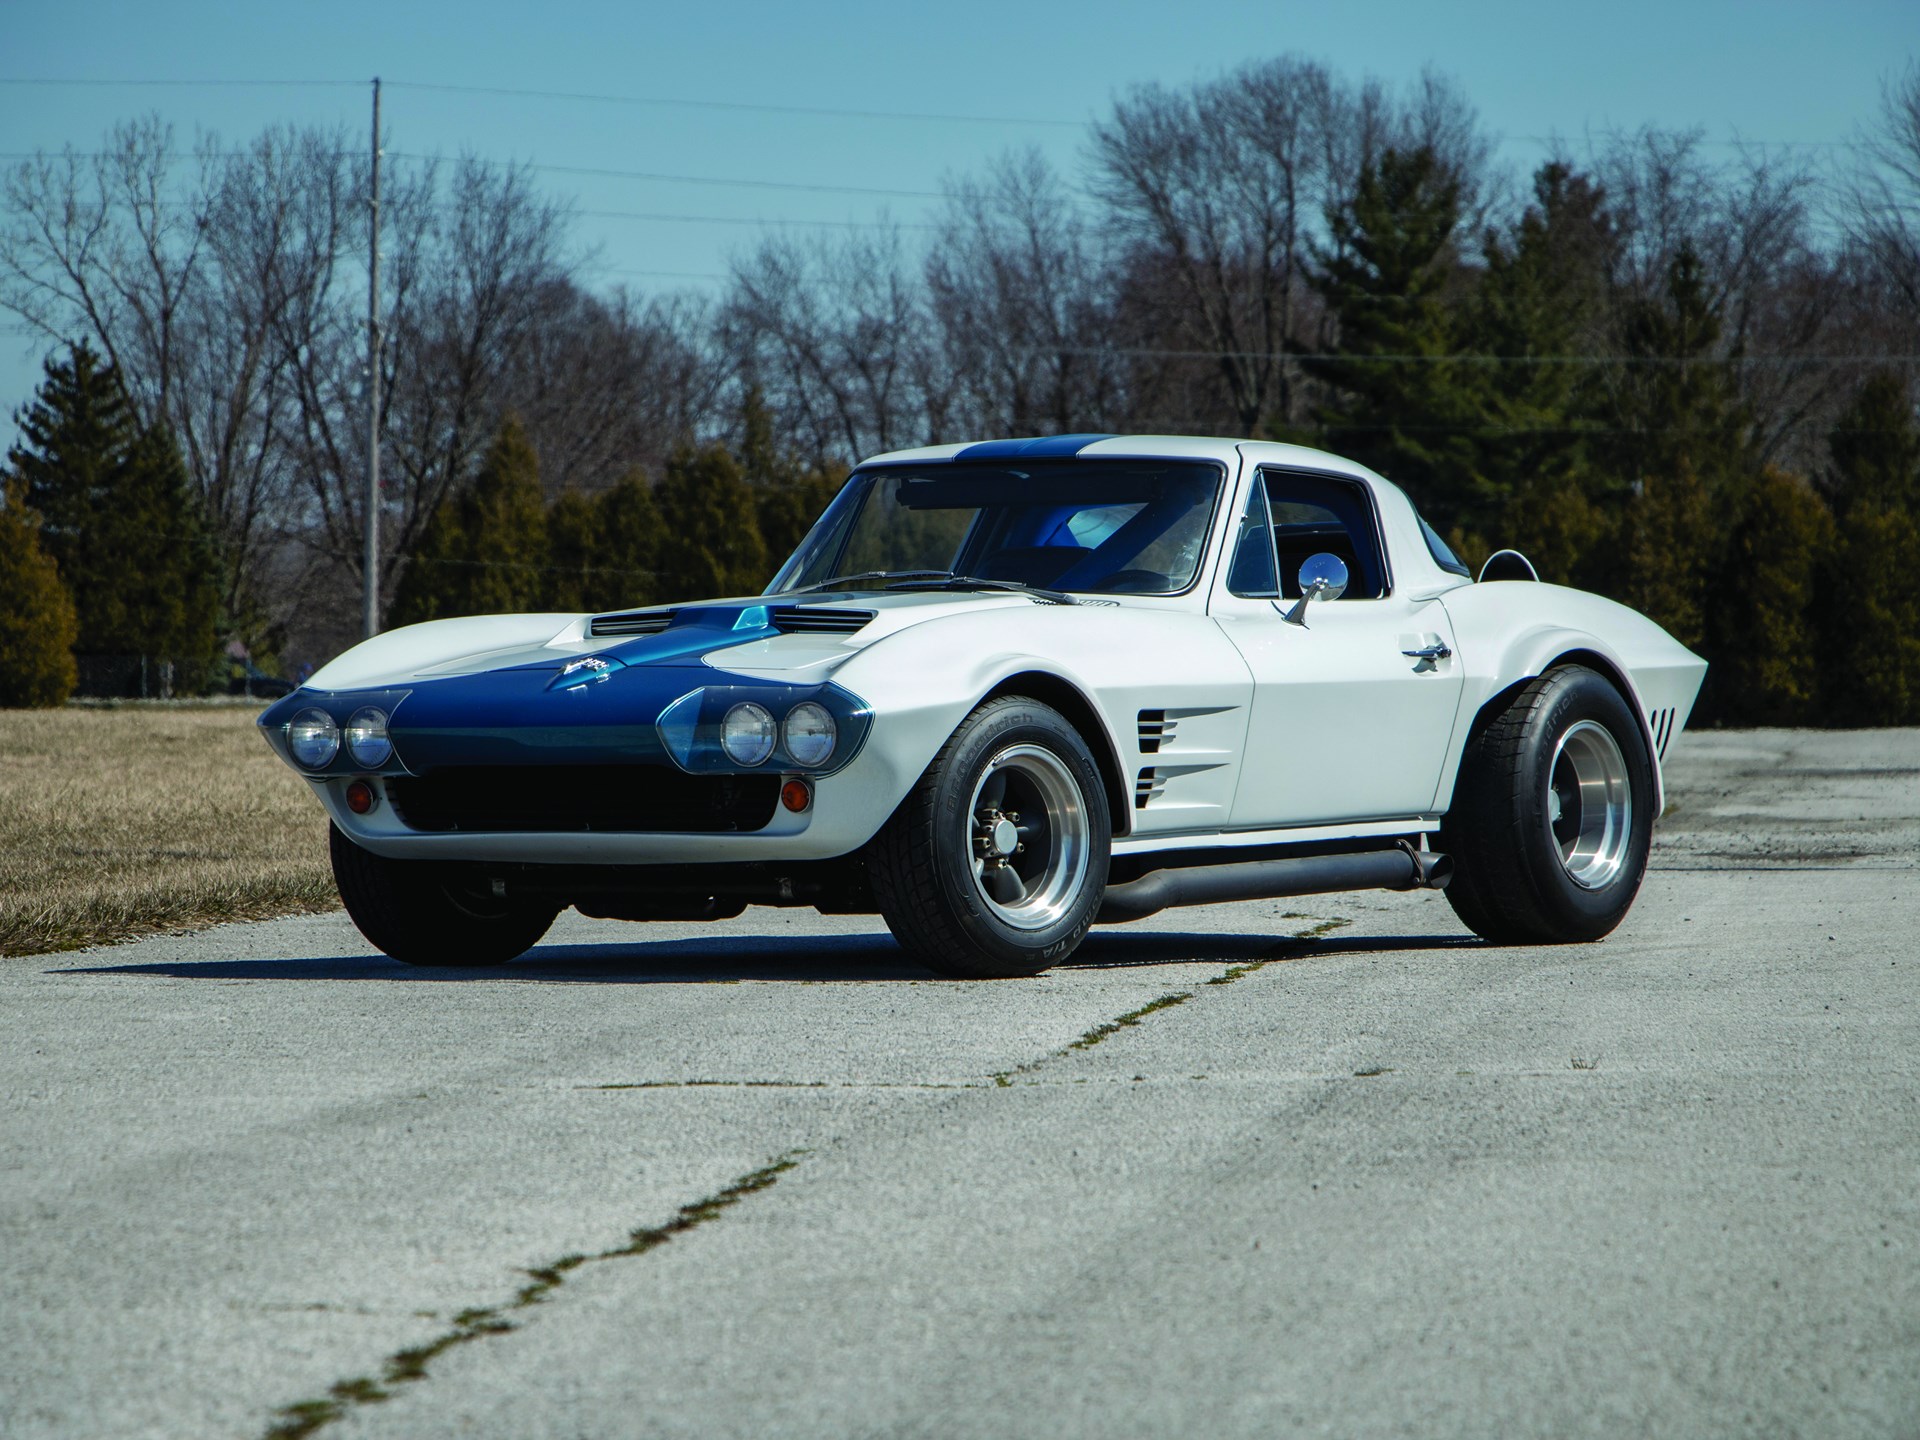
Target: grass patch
{"points": [[123, 821]]}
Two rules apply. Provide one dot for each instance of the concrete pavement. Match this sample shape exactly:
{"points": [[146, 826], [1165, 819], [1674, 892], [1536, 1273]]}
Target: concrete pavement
{"points": [[1327, 1166]]}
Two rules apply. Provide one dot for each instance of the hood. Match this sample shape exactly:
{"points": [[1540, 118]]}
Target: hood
{"points": [[812, 632]]}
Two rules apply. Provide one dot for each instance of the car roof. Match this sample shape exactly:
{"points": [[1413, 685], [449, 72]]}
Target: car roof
{"points": [[1197, 447], [1171, 447]]}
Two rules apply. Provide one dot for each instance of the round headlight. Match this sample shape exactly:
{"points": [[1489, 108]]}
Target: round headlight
{"points": [[747, 733], [367, 740], [313, 738], [809, 732]]}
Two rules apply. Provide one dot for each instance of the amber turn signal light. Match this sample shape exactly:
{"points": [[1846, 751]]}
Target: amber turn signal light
{"points": [[796, 795], [361, 797]]}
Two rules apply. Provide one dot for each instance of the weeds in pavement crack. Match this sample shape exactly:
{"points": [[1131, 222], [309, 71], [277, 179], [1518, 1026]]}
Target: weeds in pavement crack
{"points": [[1100, 1032], [297, 1421], [1312, 932]]}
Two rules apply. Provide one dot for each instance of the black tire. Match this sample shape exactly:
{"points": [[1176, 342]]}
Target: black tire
{"points": [[421, 913], [932, 861], [1534, 863]]}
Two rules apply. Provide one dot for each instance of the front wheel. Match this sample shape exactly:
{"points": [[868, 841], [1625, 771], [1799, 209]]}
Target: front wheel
{"points": [[1552, 814], [425, 913], [994, 865]]}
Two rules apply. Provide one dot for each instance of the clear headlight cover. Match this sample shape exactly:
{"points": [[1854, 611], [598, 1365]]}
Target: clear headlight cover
{"points": [[810, 733], [367, 739], [747, 734], [313, 738]]}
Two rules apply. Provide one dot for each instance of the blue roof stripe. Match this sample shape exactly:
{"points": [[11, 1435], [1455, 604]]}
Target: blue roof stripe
{"points": [[1038, 448]]}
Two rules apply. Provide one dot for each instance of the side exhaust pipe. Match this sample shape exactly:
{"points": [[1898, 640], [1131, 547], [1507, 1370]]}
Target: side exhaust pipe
{"points": [[1402, 868]]}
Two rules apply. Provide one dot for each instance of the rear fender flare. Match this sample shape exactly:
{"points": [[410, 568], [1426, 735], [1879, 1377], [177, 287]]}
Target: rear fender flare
{"points": [[1527, 657]]}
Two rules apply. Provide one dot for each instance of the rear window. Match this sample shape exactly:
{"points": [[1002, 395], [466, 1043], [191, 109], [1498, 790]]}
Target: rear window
{"points": [[1442, 552]]}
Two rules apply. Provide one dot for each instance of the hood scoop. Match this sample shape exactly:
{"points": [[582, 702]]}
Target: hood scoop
{"points": [[818, 620], [636, 622], [787, 619]]}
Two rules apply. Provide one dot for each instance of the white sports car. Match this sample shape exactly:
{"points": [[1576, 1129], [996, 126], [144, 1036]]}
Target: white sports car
{"points": [[1001, 693]]}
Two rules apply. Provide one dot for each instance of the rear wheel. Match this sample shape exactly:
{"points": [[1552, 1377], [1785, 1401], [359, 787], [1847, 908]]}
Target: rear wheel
{"points": [[1552, 815], [425, 913], [995, 863]]}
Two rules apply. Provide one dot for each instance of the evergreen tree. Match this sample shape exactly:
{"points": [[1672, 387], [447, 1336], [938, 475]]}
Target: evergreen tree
{"points": [[631, 543], [789, 494], [484, 551], [1543, 295], [36, 616], [711, 535], [1676, 454], [572, 552], [1763, 639], [1397, 401], [1870, 603], [120, 519]]}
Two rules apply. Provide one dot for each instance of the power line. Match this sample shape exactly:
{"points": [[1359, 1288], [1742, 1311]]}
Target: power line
{"points": [[65, 82], [756, 107], [581, 170], [595, 171], [827, 112], [746, 220]]}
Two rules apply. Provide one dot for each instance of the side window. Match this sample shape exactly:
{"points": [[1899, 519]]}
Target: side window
{"points": [[1319, 514], [1250, 573]]}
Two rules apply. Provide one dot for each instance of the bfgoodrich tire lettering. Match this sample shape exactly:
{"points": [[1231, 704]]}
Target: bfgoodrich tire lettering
{"points": [[995, 863], [1552, 814], [421, 913]]}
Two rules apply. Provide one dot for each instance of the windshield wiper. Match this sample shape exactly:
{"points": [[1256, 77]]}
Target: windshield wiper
{"points": [[865, 575], [950, 581]]}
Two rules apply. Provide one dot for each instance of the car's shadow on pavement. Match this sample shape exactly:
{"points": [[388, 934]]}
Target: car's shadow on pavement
{"points": [[724, 959]]}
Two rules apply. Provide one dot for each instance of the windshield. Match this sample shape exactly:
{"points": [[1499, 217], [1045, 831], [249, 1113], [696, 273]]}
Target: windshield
{"points": [[1135, 527]]}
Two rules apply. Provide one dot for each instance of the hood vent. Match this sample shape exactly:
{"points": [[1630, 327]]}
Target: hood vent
{"points": [[818, 620], [637, 622]]}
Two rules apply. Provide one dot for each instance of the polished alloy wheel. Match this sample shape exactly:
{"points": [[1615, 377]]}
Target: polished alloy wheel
{"points": [[1030, 837], [1590, 805]]}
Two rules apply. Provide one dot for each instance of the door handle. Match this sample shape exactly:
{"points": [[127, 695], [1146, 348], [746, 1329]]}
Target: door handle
{"points": [[1438, 650]]}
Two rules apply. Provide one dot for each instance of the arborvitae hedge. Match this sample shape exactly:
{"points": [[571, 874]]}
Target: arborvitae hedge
{"points": [[36, 618]]}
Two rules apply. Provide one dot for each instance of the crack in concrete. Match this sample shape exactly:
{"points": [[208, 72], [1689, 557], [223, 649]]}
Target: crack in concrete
{"points": [[1112, 1027], [405, 1367]]}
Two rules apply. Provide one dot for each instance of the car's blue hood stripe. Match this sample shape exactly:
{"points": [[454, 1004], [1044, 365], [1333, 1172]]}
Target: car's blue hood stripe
{"points": [[1044, 446], [559, 710]]}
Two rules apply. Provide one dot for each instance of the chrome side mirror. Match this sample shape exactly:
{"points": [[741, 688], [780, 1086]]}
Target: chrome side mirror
{"points": [[1322, 577]]}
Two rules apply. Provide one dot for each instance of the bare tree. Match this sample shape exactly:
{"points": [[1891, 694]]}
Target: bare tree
{"points": [[1784, 306], [1226, 187], [836, 337], [189, 278], [1018, 284], [1881, 197], [603, 384]]}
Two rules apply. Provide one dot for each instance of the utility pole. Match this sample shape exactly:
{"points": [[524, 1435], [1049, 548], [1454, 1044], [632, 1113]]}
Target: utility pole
{"points": [[371, 560]]}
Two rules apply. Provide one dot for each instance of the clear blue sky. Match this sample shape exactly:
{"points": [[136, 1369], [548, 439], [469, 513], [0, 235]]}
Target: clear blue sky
{"points": [[1758, 70]]}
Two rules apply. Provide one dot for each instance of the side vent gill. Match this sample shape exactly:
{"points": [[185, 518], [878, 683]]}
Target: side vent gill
{"points": [[637, 622], [1146, 788], [1662, 725], [1155, 730], [818, 620]]}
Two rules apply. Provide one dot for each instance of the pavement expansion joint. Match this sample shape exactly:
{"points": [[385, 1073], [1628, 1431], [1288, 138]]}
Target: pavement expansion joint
{"points": [[406, 1367]]}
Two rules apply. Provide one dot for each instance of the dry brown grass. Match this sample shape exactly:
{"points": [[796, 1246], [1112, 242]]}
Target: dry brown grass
{"points": [[120, 822]]}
